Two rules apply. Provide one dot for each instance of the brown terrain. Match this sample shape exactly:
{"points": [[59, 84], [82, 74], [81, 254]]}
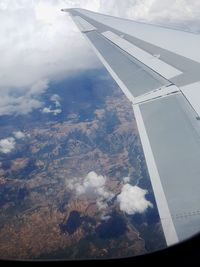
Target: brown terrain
{"points": [[37, 201]]}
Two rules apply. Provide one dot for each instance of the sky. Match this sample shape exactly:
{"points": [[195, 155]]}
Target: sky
{"points": [[39, 43]]}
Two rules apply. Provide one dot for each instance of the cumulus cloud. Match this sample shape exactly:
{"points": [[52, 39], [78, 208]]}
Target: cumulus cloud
{"points": [[94, 185], [39, 43], [19, 135], [132, 200], [7, 145], [57, 106], [53, 111], [56, 99]]}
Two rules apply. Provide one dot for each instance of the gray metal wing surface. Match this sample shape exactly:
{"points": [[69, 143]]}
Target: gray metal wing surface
{"points": [[158, 69]]}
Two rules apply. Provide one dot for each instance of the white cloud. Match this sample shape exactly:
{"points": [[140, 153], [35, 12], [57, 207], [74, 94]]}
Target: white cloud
{"points": [[105, 217], [46, 110], [10, 104], [19, 135], [39, 43], [132, 199], [55, 111], [93, 184], [92, 181], [7, 145], [56, 99]]}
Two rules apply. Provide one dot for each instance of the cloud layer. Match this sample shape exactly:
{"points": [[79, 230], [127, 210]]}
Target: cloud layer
{"points": [[39, 43], [182, 13]]}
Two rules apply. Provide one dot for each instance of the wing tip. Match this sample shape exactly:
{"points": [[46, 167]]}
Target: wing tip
{"points": [[69, 9], [66, 9]]}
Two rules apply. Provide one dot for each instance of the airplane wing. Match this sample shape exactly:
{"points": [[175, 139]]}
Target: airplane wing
{"points": [[158, 70]]}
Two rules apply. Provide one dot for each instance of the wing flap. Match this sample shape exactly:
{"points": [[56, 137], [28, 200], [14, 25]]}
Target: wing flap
{"points": [[134, 74], [175, 142], [151, 61]]}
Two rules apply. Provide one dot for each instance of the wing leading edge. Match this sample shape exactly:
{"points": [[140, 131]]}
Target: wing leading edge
{"points": [[161, 78]]}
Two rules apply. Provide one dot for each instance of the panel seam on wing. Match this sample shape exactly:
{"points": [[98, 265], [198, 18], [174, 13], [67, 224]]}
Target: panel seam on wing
{"points": [[186, 214], [164, 91]]}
